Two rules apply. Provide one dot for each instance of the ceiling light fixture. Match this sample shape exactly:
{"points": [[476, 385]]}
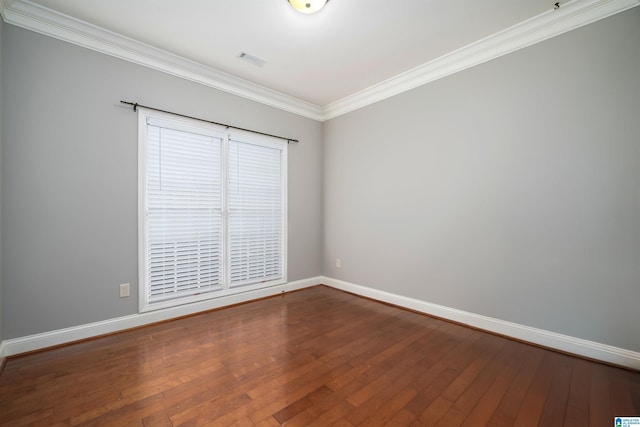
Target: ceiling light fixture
{"points": [[308, 6]]}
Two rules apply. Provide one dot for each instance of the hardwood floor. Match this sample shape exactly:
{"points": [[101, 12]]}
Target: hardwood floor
{"points": [[313, 357]]}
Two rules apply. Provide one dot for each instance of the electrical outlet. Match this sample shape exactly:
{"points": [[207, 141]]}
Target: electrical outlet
{"points": [[338, 263], [124, 290]]}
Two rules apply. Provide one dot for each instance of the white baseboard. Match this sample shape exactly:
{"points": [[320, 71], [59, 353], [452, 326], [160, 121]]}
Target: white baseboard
{"points": [[15, 346], [565, 343], [577, 346]]}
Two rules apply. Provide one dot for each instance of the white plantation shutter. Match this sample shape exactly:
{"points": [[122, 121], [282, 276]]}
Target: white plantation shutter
{"points": [[255, 213], [212, 211], [184, 213]]}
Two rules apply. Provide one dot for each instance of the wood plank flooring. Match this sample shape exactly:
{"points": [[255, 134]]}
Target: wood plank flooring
{"points": [[313, 357]]}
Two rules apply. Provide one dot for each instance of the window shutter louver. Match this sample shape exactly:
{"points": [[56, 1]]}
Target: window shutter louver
{"points": [[184, 213], [212, 211], [255, 213]]}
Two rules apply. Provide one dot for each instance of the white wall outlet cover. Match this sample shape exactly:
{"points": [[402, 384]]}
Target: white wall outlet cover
{"points": [[124, 290]]}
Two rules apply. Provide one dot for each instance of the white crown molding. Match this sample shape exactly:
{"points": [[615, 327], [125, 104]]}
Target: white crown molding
{"points": [[31, 16], [29, 343], [569, 16], [577, 346]]}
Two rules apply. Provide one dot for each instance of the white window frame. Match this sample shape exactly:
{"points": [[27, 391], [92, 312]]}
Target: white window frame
{"points": [[196, 126]]}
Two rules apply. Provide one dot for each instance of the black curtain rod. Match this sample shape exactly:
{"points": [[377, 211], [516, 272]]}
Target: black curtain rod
{"points": [[136, 105]]}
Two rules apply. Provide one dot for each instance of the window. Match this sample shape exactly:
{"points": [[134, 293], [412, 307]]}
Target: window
{"points": [[212, 206]]}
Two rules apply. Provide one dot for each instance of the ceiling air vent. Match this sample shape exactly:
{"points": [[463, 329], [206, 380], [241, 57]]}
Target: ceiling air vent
{"points": [[252, 59]]}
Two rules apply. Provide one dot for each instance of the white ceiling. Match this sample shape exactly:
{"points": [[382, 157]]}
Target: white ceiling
{"points": [[320, 58], [350, 54]]}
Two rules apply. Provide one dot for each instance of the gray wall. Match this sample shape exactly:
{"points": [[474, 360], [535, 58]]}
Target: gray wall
{"points": [[1, 300], [69, 178], [510, 190]]}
